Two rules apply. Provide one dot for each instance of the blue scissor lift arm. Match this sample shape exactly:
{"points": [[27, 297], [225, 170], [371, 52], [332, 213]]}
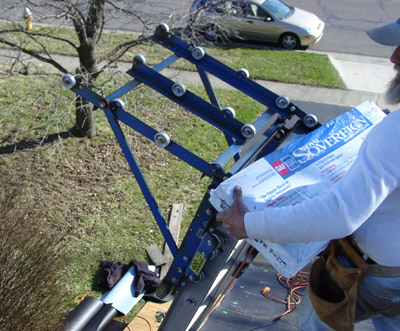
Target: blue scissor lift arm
{"points": [[207, 251]]}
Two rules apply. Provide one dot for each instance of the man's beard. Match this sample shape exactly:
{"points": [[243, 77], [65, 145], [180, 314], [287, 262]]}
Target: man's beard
{"points": [[393, 92]]}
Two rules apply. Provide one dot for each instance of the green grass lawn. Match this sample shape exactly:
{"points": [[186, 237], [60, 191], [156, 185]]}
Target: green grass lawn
{"points": [[296, 67]]}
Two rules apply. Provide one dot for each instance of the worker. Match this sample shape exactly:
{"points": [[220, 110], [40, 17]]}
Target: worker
{"points": [[362, 207]]}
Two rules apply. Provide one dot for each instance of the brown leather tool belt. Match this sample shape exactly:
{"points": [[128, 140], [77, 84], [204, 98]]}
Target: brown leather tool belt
{"points": [[376, 269], [333, 287]]}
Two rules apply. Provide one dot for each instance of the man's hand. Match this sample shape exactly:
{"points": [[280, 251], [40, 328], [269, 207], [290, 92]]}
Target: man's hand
{"points": [[233, 218]]}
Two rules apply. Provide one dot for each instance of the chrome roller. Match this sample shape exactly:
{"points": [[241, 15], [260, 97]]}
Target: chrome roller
{"points": [[68, 81], [310, 120], [248, 131], [162, 139], [179, 89], [164, 27], [198, 53], [243, 73], [229, 112], [139, 59], [117, 104], [282, 102]]}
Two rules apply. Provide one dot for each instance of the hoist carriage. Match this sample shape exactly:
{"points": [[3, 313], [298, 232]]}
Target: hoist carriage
{"points": [[208, 257]]}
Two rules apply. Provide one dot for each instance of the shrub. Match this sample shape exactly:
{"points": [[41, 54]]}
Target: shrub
{"points": [[30, 258]]}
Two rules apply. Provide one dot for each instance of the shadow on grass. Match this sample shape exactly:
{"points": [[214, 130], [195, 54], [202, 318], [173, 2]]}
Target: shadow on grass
{"points": [[28, 144], [98, 281]]}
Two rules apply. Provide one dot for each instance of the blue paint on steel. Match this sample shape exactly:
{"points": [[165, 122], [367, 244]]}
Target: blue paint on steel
{"points": [[213, 98], [174, 148], [190, 244], [189, 100], [225, 73], [162, 224], [132, 84]]}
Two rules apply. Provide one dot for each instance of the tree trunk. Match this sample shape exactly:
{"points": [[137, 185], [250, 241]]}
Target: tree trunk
{"points": [[87, 31], [85, 125]]}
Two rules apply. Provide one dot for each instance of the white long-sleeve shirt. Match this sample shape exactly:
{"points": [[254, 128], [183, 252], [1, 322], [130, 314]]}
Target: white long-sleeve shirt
{"points": [[365, 203]]}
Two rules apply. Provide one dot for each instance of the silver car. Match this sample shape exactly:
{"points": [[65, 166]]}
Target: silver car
{"points": [[258, 20]]}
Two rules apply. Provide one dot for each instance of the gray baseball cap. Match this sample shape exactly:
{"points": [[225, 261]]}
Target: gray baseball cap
{"points": [[388, 34]]}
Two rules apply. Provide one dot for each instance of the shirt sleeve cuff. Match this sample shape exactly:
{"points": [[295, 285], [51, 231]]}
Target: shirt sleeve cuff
{"points": [[253, 225]]}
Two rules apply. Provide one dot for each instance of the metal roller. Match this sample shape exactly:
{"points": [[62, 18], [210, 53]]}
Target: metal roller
{"points": [[117, 104], [243, 73], [282, 102], [179, 89], [162, 139], [198, 53], [68, 81], [163, 26], [229, 112], [248, 131], [139, 59], [310, 120]]}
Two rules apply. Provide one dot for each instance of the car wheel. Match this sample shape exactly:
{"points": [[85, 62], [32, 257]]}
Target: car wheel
{"points": [[289, 41], [211, 33]]}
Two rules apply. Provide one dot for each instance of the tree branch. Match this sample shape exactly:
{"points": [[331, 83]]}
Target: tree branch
{"points": [[40, 35], [35, 55], [124, 46]]}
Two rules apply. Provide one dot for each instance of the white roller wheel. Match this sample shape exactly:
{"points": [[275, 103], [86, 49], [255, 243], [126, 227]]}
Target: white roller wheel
{"points": [[117, 103], [164, 26], [162, 139], [68, 81], [282, 102], [139, 59], [310, 120], [229, 112], [198, 53], [179, 89], [243, 73], [248, 131]]}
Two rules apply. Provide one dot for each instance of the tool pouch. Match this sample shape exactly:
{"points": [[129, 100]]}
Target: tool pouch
{"points": [[333, 287]]}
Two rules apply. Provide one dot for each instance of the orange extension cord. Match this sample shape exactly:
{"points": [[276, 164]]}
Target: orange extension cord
{"points": [[294, 284], [241, 266]]}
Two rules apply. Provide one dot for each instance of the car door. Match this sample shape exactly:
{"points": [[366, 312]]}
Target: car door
{"points": [[232, 21], [224, 15], [257, 23]]}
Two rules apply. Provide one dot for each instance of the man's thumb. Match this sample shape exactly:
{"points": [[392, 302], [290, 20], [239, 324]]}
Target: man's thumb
{"points": [[237, 193], [220, 216]]}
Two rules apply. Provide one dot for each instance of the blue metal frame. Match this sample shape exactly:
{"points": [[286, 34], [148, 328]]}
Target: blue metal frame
{"points": [[189, 100], [199, 236], [225, 73]]}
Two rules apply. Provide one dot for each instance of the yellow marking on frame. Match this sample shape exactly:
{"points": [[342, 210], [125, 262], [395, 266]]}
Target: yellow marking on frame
{"points": [[197, 263]]}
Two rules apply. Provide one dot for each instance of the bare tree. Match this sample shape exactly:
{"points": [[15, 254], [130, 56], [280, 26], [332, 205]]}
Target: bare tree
{"points": [[89, 19]]}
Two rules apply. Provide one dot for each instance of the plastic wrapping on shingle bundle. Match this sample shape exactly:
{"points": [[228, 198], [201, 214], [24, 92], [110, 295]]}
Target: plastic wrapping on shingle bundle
{"points": [[297, 171]]}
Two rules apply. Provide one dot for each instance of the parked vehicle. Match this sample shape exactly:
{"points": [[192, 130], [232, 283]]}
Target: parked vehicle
{"points": [[259, 20]]}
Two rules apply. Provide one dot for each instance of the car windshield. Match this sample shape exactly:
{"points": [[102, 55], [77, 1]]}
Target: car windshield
{"points": [[278, 8]]}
